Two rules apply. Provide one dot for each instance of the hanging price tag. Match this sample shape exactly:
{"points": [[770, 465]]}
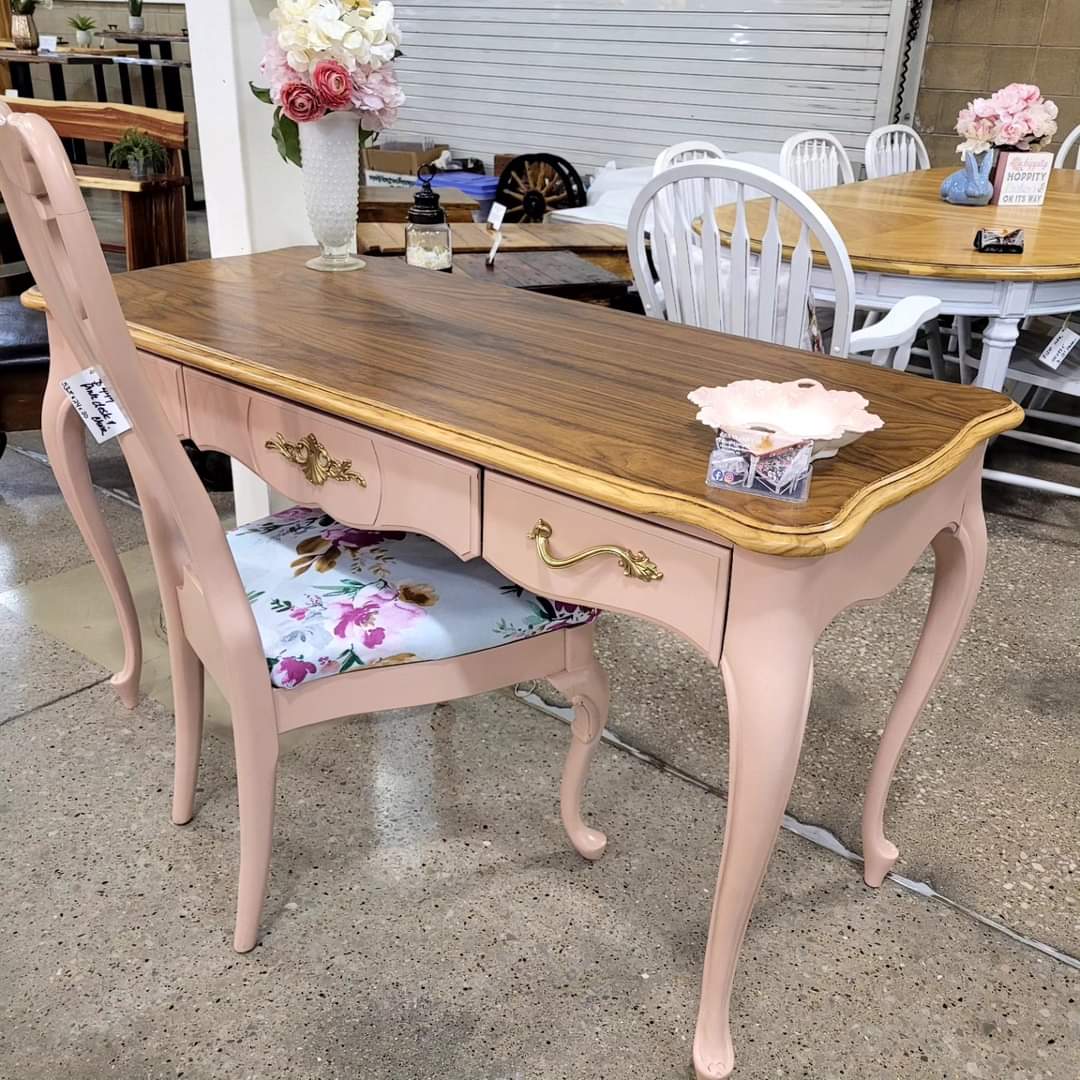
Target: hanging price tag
{"points": [[496, 215], [1062, 343], [96, 404]]}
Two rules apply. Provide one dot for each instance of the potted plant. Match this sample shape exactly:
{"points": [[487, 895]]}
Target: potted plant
{"points": [[140, 152], [84, 27], [24, 33], [135, 16]]}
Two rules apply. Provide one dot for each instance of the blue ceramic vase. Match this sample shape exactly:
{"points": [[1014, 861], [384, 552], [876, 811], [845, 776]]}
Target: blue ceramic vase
{"points": [[971, 185]]}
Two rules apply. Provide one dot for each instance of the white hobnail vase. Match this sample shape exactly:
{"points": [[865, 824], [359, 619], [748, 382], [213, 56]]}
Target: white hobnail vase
{"points": [[330, 151]]}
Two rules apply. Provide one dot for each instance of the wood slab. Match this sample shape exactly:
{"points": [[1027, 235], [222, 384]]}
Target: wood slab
{"points": [[901, 225], [389, 239], [390, 204], [586, 400], [97, 122], [556, 273]]}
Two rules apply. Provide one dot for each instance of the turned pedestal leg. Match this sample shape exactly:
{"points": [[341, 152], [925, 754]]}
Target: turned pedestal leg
{"points": [[959, 561], [64, 436]]}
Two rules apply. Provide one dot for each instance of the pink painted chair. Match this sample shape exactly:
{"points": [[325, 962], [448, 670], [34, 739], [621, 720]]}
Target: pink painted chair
{"points": [[299, 618]]}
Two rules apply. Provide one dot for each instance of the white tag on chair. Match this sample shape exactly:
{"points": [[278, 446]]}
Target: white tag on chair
{"points": [[95, 402], [1062, 343]]}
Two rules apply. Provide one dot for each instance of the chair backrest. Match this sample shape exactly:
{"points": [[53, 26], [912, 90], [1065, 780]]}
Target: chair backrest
{"points": [[894, 149], [681, 153], [757, 288], [689, 201], [61, 246], [815, 159], [1071, 145], [106, 123]]}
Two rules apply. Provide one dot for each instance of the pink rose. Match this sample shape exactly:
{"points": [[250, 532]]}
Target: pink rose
{"points": [[333, 84], [300, 103], [983, 108], [1012, 133]]}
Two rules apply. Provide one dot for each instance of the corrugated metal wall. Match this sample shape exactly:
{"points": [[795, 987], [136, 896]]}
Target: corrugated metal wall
{"points": [[600, 79]]}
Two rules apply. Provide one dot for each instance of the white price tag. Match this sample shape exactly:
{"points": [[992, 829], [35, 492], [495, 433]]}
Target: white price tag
{"points": [[1063, 343], [96, 404], [495, 217]]}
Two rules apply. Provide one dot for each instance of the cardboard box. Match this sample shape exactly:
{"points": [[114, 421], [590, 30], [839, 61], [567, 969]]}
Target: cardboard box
{"points": [[400, 158]]}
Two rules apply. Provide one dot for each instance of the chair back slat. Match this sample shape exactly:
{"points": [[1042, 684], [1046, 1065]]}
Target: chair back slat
{"points": [[749, 285], [772, 252], [738, 291], [815, 159], [895, 149]]}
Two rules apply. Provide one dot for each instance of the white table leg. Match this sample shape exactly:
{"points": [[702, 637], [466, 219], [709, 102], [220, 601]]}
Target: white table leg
{"points": [[999, 339]]}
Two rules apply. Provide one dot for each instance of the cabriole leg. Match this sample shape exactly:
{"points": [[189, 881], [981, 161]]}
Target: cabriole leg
{"points": [[959, 561]]}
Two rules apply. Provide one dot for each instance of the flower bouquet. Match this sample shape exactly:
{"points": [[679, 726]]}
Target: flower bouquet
{"points": [[330, 69]]}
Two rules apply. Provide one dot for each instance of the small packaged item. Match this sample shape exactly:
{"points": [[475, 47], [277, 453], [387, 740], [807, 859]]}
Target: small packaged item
{"points": [[1000, 241], [782, 474]]}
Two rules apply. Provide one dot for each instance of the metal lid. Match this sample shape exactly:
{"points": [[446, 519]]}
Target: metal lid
{"points": [[425, 209]]}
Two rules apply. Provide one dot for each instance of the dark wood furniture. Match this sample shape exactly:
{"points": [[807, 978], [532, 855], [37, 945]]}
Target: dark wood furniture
{"points": [[557, 273], [390, 204], [602, 245], [155, 222], [170, 80]]}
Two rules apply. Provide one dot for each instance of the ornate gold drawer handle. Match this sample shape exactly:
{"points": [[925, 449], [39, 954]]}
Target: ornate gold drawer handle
{"points": [[314, 459], [635, 564]]}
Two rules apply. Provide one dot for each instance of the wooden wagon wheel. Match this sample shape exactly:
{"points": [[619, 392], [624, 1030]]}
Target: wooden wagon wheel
{"points": [[534, 184]]}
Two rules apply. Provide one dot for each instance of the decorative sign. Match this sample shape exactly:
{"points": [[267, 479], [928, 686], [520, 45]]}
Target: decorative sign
{"points": [[1022, 179], [96, 404]]}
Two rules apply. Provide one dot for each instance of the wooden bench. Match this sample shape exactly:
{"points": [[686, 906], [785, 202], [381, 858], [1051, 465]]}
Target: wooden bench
{"points": [[155, 222]]}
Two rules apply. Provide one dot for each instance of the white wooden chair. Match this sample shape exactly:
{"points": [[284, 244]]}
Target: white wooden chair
{"points": [[684, 152], [895, 149], [693, 198], [1071, 145], [765, 294], [815, 159]]}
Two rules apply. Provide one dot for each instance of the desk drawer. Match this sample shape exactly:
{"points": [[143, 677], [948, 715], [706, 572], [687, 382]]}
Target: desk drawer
{"points": [[167, 381], [689, 596], [359, 476]]}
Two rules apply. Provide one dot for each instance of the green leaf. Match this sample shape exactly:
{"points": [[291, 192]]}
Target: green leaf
{"points": [[261, 93], [287, 137]]}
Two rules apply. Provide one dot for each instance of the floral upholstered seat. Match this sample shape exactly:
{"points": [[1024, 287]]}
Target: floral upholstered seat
{"points": [[329, 598]]}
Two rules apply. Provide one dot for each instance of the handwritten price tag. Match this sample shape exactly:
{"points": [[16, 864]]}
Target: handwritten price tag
{"points": [[1063, 343], [96, 404], [495, 217]]}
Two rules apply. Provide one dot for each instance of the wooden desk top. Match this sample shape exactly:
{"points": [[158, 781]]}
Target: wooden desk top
{"points": [[900, 225], [582, 399], [381, 238]]}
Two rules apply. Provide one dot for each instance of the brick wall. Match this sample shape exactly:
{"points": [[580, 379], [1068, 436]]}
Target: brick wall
{"points": [[976, 46]]}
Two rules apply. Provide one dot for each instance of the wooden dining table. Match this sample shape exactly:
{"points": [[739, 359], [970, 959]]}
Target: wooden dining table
{"points": [[578, 472], [904, 240]]}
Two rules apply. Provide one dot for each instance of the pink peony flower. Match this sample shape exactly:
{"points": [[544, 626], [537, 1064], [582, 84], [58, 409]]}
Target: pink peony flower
{"points": [[300, 103], [378, 97], [290, 671], [275, 68], [333, 84]]}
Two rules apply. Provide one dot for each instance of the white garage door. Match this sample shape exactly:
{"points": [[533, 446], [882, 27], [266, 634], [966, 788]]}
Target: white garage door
{"points": [[594, 80]]}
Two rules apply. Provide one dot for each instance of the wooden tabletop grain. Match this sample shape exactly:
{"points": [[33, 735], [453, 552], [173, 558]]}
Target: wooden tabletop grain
{"points": [[585, 400], [901, 225]]}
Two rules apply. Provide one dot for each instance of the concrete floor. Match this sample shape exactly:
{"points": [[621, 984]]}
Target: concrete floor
{"points": [[426, 917]]}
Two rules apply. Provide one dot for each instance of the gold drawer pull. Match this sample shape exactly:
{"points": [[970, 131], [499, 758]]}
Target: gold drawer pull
{"points": [[635, 564], [314, 459]]}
